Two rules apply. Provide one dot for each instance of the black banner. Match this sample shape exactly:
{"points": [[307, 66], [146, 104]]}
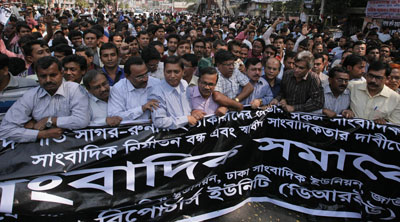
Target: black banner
{"points": [[346, 168]]}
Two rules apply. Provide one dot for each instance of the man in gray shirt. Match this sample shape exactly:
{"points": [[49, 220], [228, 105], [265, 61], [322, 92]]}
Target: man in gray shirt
{"points": [[44, 111]]}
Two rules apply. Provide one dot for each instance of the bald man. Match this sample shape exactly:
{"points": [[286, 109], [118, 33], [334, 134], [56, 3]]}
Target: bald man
{"points": [[271, 70]]}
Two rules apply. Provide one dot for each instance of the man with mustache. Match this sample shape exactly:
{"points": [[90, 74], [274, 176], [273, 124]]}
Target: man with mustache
{"points": [[99, 90], [337, 96], [129, 96], [372, 99], [44, 111], [262, 93]]}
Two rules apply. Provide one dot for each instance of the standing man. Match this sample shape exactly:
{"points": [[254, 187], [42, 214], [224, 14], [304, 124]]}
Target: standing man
{"points": [[91, 38], [47, 109], [172, 44], [355, 66], [272, 68], [372, 99], [75, 67], [129, 97], [174, 107], [99, 90], [301, 89], [109, 56]]}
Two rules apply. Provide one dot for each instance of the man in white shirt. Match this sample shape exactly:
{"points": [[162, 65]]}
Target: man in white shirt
{"points": [[44, 111], [129, 97], [98, 87]]}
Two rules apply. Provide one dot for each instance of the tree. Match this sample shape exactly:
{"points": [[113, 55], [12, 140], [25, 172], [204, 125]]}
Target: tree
{"points": [[82, 3], [35, 2]]}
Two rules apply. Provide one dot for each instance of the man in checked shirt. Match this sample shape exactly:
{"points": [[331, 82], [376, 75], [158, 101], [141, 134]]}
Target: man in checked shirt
{"points": [[301, 89]]}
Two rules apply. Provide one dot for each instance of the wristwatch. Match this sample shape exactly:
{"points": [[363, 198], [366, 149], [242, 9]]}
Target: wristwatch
{"points": [[49, 123], [237, 100]]}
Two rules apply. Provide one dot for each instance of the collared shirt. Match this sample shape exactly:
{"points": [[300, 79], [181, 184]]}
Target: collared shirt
{"points": [[324, 79], [16, 88], [276, 88], [261, 91], [306, 95], [338, 104], [174, 105], [159, 73], [197, 101], [385, 104], [193, 81], [30, 71], [126, 101], [98, 111], [230, 87], [69, 104], [120, 75]]}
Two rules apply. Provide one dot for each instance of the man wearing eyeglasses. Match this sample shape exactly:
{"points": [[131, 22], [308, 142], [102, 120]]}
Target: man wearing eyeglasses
{"points": [[129, 96], [337, 96], [230, 80], [372, 99]]}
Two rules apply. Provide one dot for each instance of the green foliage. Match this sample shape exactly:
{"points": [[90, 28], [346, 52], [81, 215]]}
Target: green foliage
{"points": [[35, 2], [82, 3]]}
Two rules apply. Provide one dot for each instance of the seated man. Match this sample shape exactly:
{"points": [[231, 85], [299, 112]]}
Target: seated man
{"points": [[337, 96], [129, 96], [11, 87], [53, 106], [174, 107], [97, 85], [301, 89], [372, 99], [230, 80], [262, 93], [75, 67]]}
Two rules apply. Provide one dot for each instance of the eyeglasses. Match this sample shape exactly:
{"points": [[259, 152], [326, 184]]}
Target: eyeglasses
{"points": [[395, 78], [372, 76], [141, 77]]}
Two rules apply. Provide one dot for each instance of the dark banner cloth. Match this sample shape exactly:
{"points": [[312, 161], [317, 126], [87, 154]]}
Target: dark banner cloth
{"points": [[344, 168]]}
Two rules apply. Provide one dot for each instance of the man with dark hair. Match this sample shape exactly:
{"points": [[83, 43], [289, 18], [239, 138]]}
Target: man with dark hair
{"points": [[152, 58], [372, 99], [172, 44], [189, 68], [318, 68], [174, 106], [109, 56], [117, 39], [359, 48], [143, 39], [88, 54], [270, 51], [91, 38], [44, 111], [337, 96], [231, 82], [355, 66], [96, 84], [288, 60], [22, 29], [129, 97], [262, 93], [133, 45], [33, 51], [373, 54], [75, 67], [61, 51], [183, 47], [159, 47], [301, 89], [75, 36], [159, 34], [279, 43], [199, 46], [11, 87]]}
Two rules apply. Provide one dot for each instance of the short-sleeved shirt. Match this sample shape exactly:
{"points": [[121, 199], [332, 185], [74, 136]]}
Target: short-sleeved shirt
{"points": [[230, 87]]}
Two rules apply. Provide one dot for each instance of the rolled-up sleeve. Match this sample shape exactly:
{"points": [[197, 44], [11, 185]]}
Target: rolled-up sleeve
{"points": [[80, 115]]}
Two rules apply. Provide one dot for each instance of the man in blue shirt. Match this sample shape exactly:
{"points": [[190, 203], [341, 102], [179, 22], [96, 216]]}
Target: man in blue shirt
{"points": [[174, 107], [109, 57], [44, 111]]}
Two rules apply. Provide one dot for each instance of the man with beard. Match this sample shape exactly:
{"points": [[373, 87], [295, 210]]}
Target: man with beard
{"points": [[373, 54], [337, 96], [301, 89], [99, 90], [129, 97], [372, 99], [199, 47], [44, 111], [172, 44]]}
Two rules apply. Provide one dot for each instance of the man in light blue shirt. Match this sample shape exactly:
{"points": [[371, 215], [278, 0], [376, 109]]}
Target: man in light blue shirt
{"points": [[98, 89], [44, 111], [129, 96], [174, 107], [262, 93]]}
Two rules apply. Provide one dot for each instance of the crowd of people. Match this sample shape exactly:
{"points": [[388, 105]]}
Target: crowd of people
{"points": [[67, 69]]}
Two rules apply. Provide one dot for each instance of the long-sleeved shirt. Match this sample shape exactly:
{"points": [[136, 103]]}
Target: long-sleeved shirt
{"points": [[306, 95], [197, 101], [338, 104], [126, 101], [98, 111], [174, 105], [69, 104], [261, 91]]}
